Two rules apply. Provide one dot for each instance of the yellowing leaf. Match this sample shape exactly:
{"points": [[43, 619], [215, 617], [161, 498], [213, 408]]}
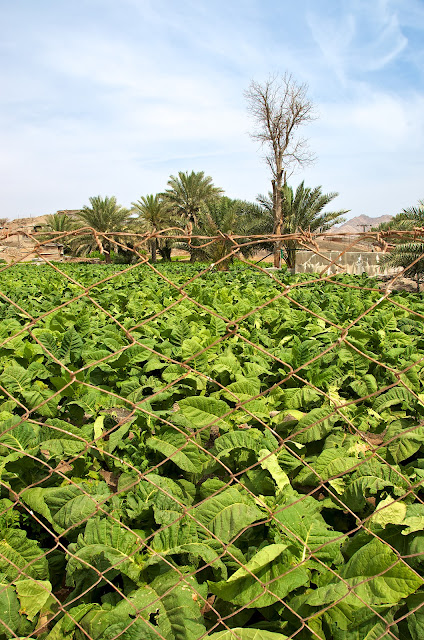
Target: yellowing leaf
{"points": [[33, 595], [389, 512]]}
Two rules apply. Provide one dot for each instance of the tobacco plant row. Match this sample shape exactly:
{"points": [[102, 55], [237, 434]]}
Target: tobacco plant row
{"points": [[168, 473]]}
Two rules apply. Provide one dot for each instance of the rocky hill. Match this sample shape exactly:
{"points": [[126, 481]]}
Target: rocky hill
{"points": [[26, 224], [360, 224]]}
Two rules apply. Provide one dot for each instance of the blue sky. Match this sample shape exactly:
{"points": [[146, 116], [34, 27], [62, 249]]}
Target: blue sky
{"points": [[112, 97]]}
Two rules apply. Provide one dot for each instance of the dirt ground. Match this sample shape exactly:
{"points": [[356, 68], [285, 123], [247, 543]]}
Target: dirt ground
{"points": [[400, 284]]}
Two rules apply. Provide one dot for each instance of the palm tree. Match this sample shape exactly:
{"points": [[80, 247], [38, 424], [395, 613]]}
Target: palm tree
{"points": [[58, 223], [104, 216], [229, 217], [406, 220], [154, 215], [187, 193], [406, 253], [302, 211]]}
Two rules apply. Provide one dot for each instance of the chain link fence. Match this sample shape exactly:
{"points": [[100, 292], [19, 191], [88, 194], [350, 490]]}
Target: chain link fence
{"points": [[213, 449]]}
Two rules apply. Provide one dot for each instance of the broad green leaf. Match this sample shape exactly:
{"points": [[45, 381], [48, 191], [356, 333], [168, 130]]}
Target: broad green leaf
{"points": [[40, 398], [181, 537], [366, 623], [98, 427], [404, 442], [369, 478], [9, 611], [269, 462], [289, 415], [18, 435], [365, 385], [415, 618], [315, 425], [180, 332], [357, 364], [302, 525], [396, 395], [116, 438], [48, 340], [21, 557], [267, 578], [227, 513], [105, 544], [64, 629], [71, 347], [61, 440], [156, 491], [243, 439], [178, 448], [16, 379], [154, 364], [301, 398], [181, 598], [125, 620], [73, 505], [375, 574], [389, 512], [32, 595], [202, 411], [414, 519], [218, 326], [413, 524], [191, 347], [172, 372], [331, 462], [130, 629], [201, 550], [254, 370], [242, 390], [34, 498], [68, 506]]}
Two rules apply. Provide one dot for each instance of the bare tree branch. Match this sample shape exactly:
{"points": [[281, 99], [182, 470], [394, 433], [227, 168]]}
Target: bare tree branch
{"points": [[279, 107]]}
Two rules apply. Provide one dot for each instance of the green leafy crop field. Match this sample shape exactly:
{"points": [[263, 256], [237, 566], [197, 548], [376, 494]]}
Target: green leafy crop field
{"points": [[224, 455]]}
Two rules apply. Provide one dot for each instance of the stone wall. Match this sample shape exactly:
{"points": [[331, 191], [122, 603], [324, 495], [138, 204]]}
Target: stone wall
{"points": [[353, 262], [19, 247]]}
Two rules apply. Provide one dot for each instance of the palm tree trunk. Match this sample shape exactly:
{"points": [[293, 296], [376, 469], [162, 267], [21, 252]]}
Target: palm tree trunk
{"points": [[277, 186], [291, 256], [276, 197], [153, 245], [165, 252], [106, 251]]}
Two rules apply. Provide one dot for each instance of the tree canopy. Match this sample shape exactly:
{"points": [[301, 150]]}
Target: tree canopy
{"points": [[408, 253], [301, 211], [224, 217], [154, 215], [186, 194], [279, 107], [104, 215]]}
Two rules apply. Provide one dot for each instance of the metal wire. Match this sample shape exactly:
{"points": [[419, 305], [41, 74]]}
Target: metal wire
{"points": [[62, 604]]}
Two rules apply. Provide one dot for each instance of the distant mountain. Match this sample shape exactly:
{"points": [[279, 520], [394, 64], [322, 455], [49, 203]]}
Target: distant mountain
{"points": [[360, 224]]}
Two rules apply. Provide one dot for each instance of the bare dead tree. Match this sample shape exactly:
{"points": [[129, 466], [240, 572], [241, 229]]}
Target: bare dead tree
{"points": [[279, 107]]}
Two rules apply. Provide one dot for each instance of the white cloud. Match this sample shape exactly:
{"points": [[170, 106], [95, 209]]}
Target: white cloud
{"points": [[93, 107], [373, 122], [370, 151], [366, 37]]}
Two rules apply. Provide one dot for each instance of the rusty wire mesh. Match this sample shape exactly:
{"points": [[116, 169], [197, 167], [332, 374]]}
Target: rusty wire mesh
{"points": [[189, 453]]}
